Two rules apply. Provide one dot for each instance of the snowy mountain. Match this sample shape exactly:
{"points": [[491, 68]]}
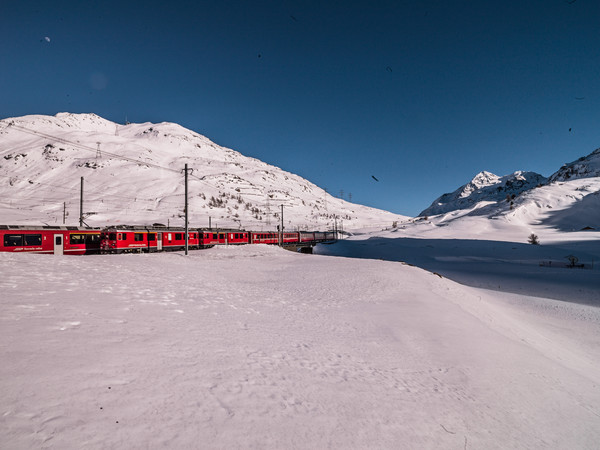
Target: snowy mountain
{"points": [[133, 174], [483, 189], [569, 200], [584, 167]]}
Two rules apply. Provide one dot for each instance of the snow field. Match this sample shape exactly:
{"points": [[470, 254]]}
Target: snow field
{"points": [[256, 347], [537, 270]]}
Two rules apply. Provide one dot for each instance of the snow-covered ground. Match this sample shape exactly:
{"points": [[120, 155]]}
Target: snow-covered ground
{"points": [[257, 347], [517, 267]]}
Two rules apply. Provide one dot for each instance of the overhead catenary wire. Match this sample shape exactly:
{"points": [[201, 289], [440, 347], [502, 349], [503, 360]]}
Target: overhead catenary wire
{"points": [[88, 148], [95, 151]]}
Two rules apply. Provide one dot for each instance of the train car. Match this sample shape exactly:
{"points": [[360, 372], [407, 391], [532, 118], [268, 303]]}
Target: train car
{"points": [[174, 239], [238, 237], [49, 240], [131, 239], [306, 236], [210, 238], [82, 242], [127, 240], [264, 238], [319, 236], [291, 238], [330, 235]]}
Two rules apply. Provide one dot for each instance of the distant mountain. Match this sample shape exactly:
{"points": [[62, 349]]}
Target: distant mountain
{"points": [[485, 187], [133, 174], [569, 200]]}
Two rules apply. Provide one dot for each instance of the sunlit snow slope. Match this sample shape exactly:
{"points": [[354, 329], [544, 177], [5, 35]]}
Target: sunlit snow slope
{"points": [[133, 174]]}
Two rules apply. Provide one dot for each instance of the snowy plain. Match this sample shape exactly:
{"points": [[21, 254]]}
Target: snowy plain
{"points": [[258, 347]]}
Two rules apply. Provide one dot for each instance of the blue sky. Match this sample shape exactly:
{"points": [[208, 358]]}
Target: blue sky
{"points": [[422, 95]]}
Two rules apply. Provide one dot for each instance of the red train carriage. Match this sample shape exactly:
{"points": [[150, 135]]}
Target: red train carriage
{"points": [[238, 237], [223, 237], [265, 238], [307, 236], [129, 239], [174, 239], [290, 238], [209, 239], [48, 239]]}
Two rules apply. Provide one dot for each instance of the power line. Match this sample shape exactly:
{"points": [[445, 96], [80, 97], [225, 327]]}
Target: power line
{"points": [[88, 148], [96, 151]]}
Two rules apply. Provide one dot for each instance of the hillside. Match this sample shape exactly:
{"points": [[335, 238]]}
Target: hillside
{"points": [[133, 174]]}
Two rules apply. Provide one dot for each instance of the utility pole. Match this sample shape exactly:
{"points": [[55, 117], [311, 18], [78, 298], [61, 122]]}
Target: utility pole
{"points": [[335, 228], [81, 204], [64, 212], [268, 213], [186, 209], [281, 229]]}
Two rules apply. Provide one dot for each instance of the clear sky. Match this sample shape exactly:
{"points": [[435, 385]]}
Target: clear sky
{"points": [[420, 94]]}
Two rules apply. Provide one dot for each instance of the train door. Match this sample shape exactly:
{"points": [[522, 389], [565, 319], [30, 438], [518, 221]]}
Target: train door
{"points": [[159, 242], [59, 244]]}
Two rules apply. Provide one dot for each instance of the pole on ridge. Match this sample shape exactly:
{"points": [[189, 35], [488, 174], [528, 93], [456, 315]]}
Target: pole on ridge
{"points": [[81, 204]]}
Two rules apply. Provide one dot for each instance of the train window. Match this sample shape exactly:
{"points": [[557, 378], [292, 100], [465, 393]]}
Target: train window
{"points": [[221, 236], [138, 237], [124, 236], [112, 236], [33, 239], [151, 237], [178, 236], [13, 240], [76, 239], [92, 238]]}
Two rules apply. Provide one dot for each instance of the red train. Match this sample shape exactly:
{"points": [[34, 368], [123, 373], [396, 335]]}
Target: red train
{"points": [[138, 239]]}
